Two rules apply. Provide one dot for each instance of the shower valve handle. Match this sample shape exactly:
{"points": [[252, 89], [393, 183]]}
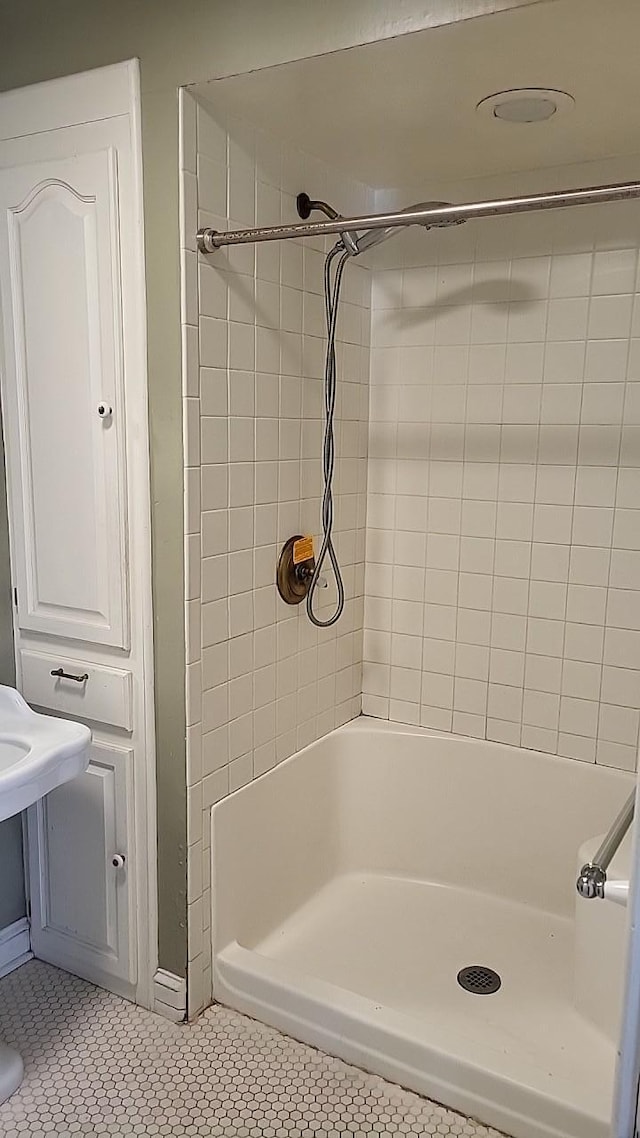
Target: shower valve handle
{"points": [[305, 572]]}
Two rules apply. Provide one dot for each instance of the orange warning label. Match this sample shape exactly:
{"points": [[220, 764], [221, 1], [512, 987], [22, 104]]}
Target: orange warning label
{"points": [[302, 550]]}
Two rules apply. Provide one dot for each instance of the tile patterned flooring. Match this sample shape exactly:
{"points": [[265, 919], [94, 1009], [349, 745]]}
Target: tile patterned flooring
{"points": [[97, 1065]]}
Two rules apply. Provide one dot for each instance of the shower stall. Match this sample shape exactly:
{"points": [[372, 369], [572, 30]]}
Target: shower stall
{"points": [[412, 555], [421, 928]]}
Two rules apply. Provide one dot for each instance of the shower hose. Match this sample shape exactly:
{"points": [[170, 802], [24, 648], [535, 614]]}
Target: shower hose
{"points": [[332, 286]]}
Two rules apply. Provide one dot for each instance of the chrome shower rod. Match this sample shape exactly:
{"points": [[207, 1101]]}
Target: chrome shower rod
{"points": [[211, 239]]}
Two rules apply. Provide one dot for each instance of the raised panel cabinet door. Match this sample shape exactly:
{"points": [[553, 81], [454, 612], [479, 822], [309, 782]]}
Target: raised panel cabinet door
{"points": [[62, 391], [80, 853]]}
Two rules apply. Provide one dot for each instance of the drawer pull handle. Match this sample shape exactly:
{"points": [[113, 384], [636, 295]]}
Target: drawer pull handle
{"points": [[60, 674]]}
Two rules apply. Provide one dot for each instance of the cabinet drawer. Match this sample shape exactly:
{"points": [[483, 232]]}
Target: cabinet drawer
{"points": [[105, 696]]}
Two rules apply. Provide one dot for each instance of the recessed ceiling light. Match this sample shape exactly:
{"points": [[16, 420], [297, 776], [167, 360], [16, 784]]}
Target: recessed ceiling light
{"points": [[525, 104]]}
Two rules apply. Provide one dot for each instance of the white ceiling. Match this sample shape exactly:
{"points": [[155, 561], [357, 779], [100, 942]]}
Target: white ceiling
{"points": [[403, 111]]}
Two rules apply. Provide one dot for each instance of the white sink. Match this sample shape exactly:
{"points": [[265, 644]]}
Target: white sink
{"points": [[37, 752]]}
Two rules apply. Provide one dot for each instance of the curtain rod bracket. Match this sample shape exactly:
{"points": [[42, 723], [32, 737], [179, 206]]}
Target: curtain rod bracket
{"points": [[206, 240]]}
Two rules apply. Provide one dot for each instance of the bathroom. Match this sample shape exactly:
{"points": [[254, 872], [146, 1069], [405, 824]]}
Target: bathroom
{"points": [[485, 528]]}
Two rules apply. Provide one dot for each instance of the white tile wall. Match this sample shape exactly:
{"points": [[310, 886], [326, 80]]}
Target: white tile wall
{"points": [[503, 543], [262, 682]]}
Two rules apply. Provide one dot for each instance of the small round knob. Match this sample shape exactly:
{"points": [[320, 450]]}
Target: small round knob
{"points": [[105, 411], [117, 861]]}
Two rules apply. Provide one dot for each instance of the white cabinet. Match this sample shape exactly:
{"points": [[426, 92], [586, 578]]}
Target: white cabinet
{"points": [[82, 830], [62, 392], [74, 414]]}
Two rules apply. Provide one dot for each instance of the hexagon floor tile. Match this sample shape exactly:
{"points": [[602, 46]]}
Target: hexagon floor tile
{"points": [[97, 1065]]}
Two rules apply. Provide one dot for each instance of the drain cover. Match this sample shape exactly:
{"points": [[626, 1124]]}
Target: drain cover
{"points": [[478, 979]]}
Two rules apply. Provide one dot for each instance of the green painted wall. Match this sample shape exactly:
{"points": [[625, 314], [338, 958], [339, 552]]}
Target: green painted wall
{"points": [[12, 898], [180, 42]]}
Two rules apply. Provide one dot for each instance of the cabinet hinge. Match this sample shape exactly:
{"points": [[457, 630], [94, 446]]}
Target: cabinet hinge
{"points": [[15, 596]]}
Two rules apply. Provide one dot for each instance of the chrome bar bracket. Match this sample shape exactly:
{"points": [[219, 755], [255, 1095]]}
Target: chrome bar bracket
{"points": [[206, 240], [592, 879]]}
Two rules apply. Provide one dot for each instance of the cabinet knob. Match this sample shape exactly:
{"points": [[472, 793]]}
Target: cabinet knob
{"points": [[117, 861], [105, 411]]}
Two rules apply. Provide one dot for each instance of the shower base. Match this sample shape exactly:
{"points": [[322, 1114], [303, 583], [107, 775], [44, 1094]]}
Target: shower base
{"points": [[364, 963]]}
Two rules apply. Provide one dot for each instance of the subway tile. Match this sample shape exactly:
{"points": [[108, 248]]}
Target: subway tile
{"points": [[508, 631], [614, 271], [542, 673], [545, 637], [589, 565], [625, 569], [505, 702], [578, 716], [570, 275], [564, 362], [557, 444], [584, 642], [616, 755], [567, 319], [599, 445], [548, 599], [539, 739], [623, 609], [606, 361], [510, 595], [469, 695], [506, 667], [619, 724], [465, 723], [620, 686], [602, 403], [577, 747], [502, 731], [581, 679], [541, 709], [596, 486], [586, 604], [592, 526], [550, 562], [626, 529], [552, 524], [561, 403], [437, 718], [610, 316]]}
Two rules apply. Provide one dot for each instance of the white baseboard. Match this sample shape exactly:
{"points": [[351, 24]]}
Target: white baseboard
{"points": [[170, 995], [15, 946]]}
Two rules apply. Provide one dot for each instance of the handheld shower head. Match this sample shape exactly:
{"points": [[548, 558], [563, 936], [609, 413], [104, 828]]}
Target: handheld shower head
{"points": [[356, 243], [375, 236]]}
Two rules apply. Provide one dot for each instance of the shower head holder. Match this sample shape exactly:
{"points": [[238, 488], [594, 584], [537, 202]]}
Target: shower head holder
{"points": [[306, 205]]}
